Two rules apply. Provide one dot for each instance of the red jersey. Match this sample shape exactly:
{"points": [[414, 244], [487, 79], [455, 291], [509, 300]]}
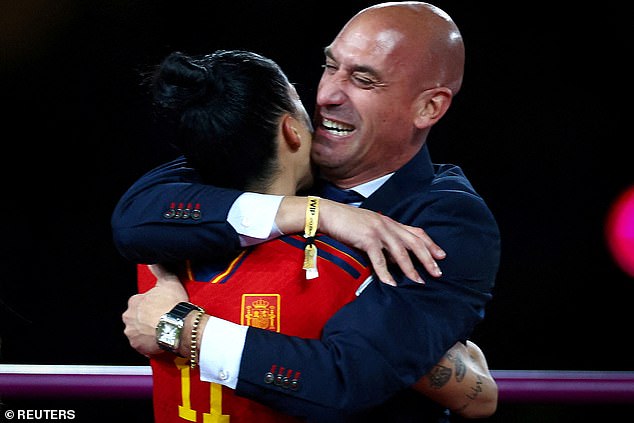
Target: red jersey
{"points": [[265, 287]]}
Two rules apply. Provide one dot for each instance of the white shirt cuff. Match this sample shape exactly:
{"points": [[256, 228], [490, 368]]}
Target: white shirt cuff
{"points": [[221, 348], [252, 215]]}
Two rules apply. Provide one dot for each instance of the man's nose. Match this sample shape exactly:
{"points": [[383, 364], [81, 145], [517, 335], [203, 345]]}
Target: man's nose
{"points": [[331, 91]]}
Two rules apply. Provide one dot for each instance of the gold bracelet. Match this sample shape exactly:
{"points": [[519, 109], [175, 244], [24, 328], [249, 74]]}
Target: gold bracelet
{"points": [[310, 229], [194, 341]]}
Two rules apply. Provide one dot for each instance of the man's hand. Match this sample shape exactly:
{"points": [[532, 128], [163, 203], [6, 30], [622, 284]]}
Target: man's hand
{"points": [[382, 238], [144, 310]]}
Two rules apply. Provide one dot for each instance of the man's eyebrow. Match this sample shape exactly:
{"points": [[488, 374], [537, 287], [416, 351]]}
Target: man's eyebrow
{"points": [[356, 68]]}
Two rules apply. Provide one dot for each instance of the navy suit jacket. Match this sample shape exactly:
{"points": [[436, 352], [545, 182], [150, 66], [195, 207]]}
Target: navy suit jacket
{"points": [[375, 347]]}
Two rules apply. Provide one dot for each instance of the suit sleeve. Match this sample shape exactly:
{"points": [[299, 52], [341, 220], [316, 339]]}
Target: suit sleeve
{"points": [[385, 340], [168, 215]]}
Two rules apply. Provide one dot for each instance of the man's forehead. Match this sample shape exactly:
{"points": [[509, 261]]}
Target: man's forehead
{"points": [[355, 42]]}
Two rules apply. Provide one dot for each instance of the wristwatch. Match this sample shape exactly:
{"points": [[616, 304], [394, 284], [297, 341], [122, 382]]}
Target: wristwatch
{"points": [[170, 325]]}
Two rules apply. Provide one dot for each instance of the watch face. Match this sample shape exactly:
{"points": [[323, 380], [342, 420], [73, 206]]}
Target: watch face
{"points": [[168, 333]]}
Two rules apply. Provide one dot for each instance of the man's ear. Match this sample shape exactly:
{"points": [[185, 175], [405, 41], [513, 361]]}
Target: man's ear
{"points": [[291, 134], [431, 105]]}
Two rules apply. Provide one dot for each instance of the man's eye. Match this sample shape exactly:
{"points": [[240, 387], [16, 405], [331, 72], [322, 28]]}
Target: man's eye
{"points": [[329, 66], [363, 81]]}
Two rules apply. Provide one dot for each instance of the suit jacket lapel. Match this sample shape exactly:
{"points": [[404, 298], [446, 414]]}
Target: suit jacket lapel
{"points": [[413, 178]]}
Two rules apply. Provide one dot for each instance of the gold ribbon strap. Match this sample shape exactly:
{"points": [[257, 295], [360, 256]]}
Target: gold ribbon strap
{"points": [[310, 229]]}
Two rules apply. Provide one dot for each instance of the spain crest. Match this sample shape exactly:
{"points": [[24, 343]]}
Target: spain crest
{"points": [[261, 311]]}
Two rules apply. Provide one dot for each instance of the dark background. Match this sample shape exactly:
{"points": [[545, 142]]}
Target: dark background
{"points": [[539, 127]]}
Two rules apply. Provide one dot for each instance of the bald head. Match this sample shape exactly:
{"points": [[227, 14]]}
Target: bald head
{"points": [[426, 33]]}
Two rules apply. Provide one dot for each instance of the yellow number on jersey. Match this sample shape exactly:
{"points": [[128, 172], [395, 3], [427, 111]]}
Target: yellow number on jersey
{"points": [[186, 411]]}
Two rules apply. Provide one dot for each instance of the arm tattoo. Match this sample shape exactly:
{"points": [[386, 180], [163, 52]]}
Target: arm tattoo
{"points": [[439, 376], [461, 369], [475, 390]]}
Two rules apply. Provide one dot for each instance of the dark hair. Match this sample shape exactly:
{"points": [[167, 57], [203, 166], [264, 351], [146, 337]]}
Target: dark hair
{"points": [[223, 111]]}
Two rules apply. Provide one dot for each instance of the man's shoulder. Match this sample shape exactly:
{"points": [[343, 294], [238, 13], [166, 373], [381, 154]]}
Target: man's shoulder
{"points": [[452, 192], [451, 177]]}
